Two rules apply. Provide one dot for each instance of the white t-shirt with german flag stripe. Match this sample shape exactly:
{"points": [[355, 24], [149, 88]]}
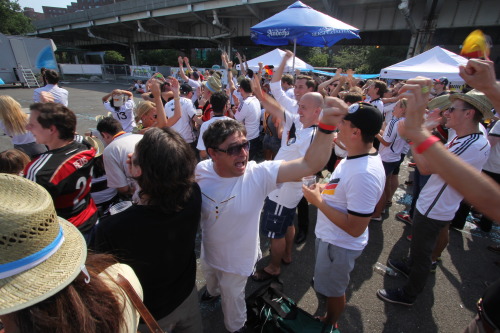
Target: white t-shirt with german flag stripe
{"points": [[354, 188]]}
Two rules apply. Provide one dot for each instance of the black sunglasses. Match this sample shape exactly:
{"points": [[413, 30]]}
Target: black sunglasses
{"points": [[236, 149]]}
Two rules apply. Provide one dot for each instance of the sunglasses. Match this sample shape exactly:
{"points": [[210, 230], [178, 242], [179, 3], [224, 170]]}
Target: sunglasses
{"points": [[450, 110], [236, 149]]}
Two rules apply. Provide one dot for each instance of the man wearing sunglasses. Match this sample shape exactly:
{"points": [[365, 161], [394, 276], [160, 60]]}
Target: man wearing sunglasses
{"points": [[437, 202], [233, 191]]}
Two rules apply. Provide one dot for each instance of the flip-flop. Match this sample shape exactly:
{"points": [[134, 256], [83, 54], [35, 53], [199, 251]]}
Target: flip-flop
{"points": [[261, 275]]}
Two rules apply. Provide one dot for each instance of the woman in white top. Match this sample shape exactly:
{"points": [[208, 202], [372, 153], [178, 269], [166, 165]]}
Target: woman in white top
{"points": [[13, 122], [392, 145]]}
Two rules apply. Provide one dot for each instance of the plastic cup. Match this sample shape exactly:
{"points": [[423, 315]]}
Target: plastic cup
{"points": [[309, 181]]}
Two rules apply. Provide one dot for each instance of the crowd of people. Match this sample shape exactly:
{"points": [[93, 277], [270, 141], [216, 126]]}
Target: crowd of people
{"points": [[229, 161]]}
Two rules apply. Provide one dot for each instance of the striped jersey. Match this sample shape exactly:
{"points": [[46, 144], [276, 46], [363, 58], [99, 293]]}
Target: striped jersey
{"points": [[66, 174], [440, 201]]}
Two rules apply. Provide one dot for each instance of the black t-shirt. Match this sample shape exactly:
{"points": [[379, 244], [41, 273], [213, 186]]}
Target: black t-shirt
{"points": [[159, 247]]}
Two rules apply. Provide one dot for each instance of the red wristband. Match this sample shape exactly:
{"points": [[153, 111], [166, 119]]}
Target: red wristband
{"points": [[426, 144], [327, 127]]}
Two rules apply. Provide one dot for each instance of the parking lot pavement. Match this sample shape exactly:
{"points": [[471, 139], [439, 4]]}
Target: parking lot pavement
{"points": [[447, 304]]}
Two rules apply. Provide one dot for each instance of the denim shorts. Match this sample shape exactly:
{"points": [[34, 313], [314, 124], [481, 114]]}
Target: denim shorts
{"points": [[276, 219]]}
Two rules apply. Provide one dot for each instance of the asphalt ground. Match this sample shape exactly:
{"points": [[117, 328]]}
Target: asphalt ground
{"points": [[447, 304]]}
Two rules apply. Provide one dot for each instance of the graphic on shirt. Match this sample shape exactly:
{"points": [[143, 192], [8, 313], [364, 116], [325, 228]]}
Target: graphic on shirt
{"points": [[331, 186]]}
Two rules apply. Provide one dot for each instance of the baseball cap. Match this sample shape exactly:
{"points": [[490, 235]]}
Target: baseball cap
{"points": [[185, 88], [366, 117], [442, 80]]}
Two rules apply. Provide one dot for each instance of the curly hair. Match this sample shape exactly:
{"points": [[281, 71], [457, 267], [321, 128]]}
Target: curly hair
{"points": [[167, 163]]}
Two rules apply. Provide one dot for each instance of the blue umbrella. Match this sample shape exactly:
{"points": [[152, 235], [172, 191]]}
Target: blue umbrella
{"points": [[303, 25]]}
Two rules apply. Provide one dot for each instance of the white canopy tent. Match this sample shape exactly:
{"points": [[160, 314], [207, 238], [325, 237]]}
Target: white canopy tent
{"points": [[434, 63], [274, 58]]}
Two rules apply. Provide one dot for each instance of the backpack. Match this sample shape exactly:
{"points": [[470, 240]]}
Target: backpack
{"points": [[269, 310]]}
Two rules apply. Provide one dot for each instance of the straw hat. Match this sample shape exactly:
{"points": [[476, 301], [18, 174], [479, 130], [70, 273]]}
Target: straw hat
{"points": [[441, 102], [52, 250], [97, 144], [478, 100], [213, 83]]}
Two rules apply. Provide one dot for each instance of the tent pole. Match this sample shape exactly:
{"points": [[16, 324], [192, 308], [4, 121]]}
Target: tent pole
{"points": [[294, 50]]}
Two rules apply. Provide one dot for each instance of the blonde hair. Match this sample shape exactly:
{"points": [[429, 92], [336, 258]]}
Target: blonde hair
{"points": [[13, 117], [143, 108]]}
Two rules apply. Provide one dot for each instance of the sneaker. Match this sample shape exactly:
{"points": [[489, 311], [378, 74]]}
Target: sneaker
{"points": [[400, 266], [396, 296], [206, 297], [434, 266], [404, 217], [412, 165]]}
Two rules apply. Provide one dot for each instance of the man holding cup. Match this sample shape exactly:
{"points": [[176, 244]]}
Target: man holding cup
{"points": [[345, 205]]}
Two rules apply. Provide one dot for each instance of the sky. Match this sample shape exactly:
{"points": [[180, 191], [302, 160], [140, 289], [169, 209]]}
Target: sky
{"points": [[37, 4]]}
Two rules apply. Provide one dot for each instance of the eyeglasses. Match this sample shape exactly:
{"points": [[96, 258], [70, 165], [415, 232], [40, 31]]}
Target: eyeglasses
{"points": [[236, 149], [450, 110]]}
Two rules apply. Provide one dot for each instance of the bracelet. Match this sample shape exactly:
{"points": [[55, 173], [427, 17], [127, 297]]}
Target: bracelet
{"points": [[177, 98], [325, 127], [426, 144]]}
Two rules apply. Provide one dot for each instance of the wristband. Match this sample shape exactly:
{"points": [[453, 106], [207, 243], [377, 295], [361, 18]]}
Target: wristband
{"points": [[322, 130], [426, 144], [177, 98], [326, 128]]}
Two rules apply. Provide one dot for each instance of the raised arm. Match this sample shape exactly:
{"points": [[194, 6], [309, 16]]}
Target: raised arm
{"points": [[480, 75], [270, 104], [106, 97], [278, 73], [181, 69], [186, 61], [319, 151], [174, 85], [323, 85], [242, 67], [479, 190]]}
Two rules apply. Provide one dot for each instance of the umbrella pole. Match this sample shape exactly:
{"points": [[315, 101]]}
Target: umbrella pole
{"points": [[294, 50]]}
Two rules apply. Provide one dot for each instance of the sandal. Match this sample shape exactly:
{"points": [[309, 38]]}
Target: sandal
{"points": [[261, 275]]}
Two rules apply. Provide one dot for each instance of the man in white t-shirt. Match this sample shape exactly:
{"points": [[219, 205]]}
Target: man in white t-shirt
{"points": [[119, 145], [303, 85], [233, 192], [219, 102], [345, 205], [60, 94], [438, 202], [248, 114], [287, 85], [184, 126], [375, 92]]}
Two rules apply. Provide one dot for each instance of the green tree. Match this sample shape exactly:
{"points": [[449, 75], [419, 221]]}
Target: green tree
{"points": [[113, 57], [368, 59], [12, 19], [159, 57]]}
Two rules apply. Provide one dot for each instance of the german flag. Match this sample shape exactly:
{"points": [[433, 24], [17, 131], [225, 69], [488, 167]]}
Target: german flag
{"points": [[330, 188]]}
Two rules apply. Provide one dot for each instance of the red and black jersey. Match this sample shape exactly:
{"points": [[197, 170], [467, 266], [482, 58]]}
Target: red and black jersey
{"points": [[66, 174]]}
